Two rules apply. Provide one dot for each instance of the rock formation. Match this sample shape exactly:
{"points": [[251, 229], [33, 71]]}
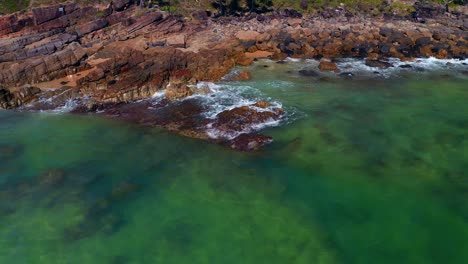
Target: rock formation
{"points": [[105, 57]]}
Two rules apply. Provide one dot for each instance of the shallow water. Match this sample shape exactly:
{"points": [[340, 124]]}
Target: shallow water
{"points": [[370, 169]]}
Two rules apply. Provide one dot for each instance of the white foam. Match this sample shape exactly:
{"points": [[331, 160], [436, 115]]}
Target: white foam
{"points": [[428, 64], [159, 94]]}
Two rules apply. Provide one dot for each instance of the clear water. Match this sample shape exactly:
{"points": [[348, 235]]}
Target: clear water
{"points": [[368, 170]]}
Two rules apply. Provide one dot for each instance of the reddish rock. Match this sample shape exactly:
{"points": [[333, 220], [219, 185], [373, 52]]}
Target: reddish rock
{"points": [[244, 61], [249, 142], [244, 117], [328, 66], [242, 76], [261, 104], [45, 14]]}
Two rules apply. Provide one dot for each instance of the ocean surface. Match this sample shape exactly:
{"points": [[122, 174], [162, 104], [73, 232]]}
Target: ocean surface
{"points": [[367, 166]]}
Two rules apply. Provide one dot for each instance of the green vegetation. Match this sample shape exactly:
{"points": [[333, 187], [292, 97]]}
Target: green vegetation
{"points": [[10, 6], [232, 6]]}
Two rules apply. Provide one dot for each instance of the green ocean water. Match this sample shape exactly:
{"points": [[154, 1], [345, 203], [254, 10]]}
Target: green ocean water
{"points": [[365, 170]]}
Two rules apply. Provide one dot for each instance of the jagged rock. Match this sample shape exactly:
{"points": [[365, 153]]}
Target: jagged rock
{"points": [[17, 98], [177, 91], [244, 117], [5, 98]]}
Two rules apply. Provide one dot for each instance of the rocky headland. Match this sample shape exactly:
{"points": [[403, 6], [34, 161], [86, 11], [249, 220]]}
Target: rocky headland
{"points": [[106, 59]]}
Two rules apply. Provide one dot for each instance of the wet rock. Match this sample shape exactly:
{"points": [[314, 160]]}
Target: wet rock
{"points": [[249, 142], [178, 90], [242, 76], [406, 66], [261, 104], [328, 66], [308, 73], [346, 75], [15, 99], [243, 118], [378, 64], [5, 98]]}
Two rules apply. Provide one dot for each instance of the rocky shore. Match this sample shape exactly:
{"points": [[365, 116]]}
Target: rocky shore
{"points": [[104, 57]]}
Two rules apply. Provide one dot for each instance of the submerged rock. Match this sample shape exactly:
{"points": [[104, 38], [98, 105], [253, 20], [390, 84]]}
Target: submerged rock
{"points": [[52, 178], [8, 151], [308, 73], [249, 142], [243, 118], [123, 189], [378, 64]]}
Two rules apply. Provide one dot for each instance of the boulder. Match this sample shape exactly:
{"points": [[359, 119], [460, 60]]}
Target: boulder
{"points": [[243, 118], [328, 66]]}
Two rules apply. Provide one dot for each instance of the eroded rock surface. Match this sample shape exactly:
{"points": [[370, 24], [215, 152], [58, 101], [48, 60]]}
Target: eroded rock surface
{"points": [[102, 58]]}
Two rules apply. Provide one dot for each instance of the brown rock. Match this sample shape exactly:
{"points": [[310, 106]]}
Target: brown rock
{"points": [[261, 104], [247, 35], [328, 66], [242, 76], [249, 142], [177, 41], [244, 61], [178, 91], [244, 117]]}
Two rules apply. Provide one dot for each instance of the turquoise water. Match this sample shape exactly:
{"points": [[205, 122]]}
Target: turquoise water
{"points": [[364, 170]]}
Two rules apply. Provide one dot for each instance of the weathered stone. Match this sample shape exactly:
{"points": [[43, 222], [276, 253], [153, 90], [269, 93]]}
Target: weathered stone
{"points": [[177, 41], [177, 91], [242, 76], [328, 66]]}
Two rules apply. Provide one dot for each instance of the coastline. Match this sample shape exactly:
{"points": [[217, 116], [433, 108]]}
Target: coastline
{"points": [[107, 58]]}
